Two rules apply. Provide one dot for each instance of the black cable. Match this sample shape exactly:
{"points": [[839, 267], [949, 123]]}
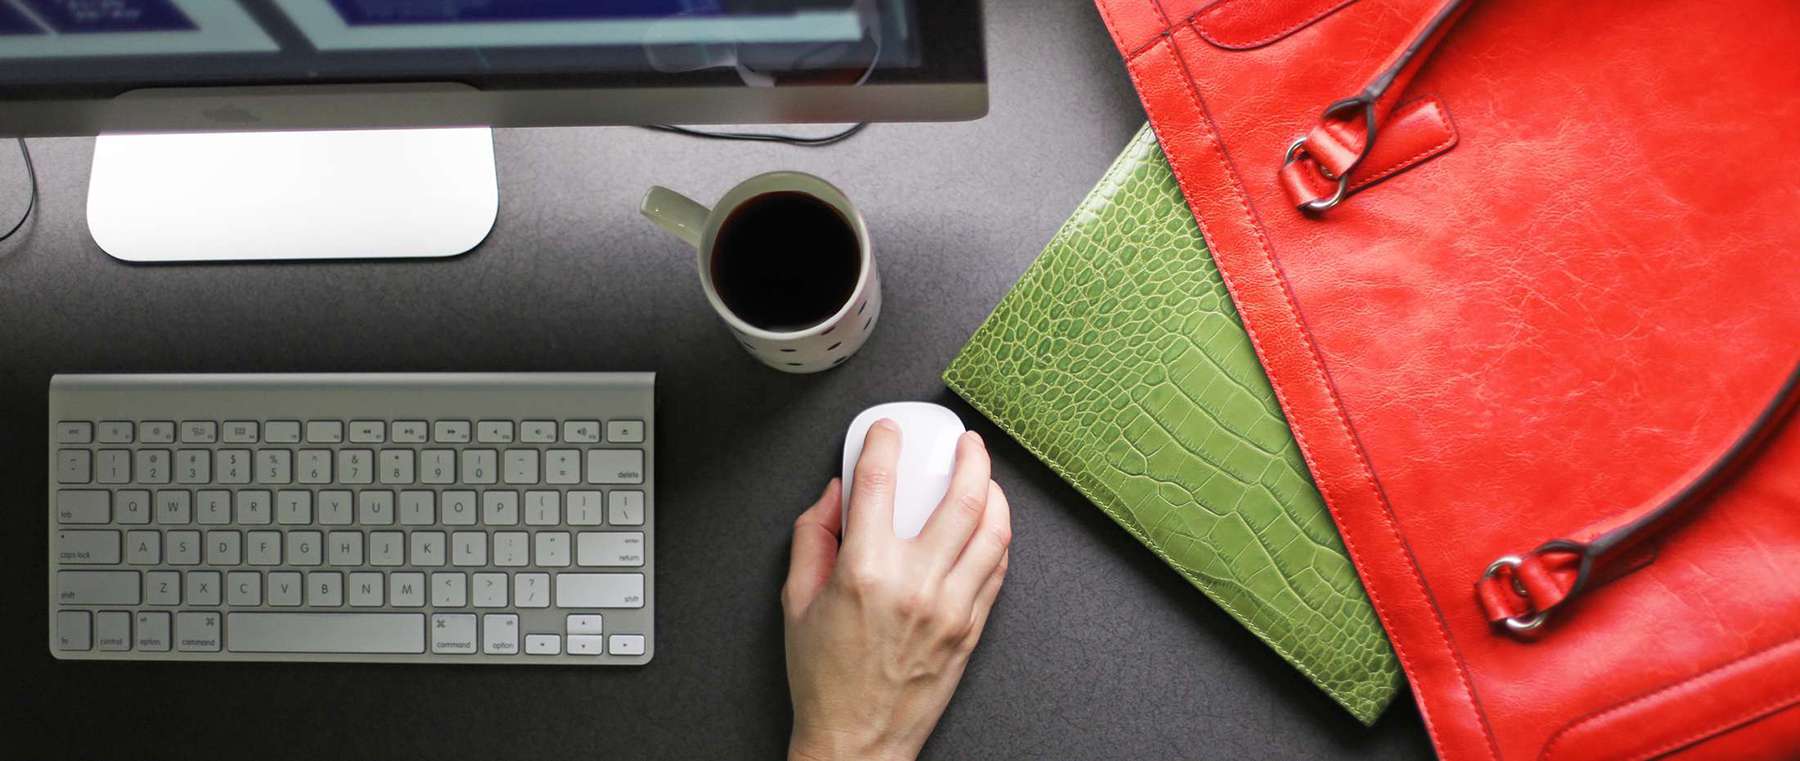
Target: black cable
{"points": [[763, 137], [31, 202]]}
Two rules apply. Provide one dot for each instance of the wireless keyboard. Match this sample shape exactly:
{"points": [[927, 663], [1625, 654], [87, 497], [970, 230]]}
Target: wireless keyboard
{"points": [[415, 518]]}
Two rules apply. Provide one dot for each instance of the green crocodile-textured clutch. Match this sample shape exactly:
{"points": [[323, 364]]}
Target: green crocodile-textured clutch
{"points": [[1119, 361]]}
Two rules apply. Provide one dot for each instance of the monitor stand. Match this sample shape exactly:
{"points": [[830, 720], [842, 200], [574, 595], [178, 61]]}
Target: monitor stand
{"points": [[243, 196]]}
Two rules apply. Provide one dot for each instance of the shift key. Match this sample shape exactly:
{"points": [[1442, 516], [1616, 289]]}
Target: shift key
{"points": [[98, 588]]}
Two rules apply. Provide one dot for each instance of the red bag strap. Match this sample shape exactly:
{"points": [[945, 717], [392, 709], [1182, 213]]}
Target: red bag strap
{"points": [[1348, 127], [1520, 591]]}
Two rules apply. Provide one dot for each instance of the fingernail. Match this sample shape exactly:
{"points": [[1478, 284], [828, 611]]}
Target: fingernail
{"points": [[887, 425], [977, 438]]}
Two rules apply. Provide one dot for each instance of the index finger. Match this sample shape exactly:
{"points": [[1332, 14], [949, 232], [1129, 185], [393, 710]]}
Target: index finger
{"points": [[872, 487]]}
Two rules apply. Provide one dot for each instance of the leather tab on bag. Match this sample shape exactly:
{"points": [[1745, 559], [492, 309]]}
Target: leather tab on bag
{"points": [[1414, 134], [1246, 24]]}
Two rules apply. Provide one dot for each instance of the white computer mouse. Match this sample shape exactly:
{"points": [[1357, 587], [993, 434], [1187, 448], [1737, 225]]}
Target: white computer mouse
{"points": [[928, 435]]}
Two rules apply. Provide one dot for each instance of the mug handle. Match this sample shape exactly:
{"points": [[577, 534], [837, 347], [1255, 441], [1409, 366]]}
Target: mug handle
{"points": [[676, 213]]}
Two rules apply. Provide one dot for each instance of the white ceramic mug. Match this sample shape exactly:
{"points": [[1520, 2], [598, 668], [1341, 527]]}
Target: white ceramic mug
{"points": [[809, 350]]}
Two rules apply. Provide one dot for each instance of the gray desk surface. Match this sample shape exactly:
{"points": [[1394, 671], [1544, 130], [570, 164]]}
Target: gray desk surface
{"points": [[1096, 650]]}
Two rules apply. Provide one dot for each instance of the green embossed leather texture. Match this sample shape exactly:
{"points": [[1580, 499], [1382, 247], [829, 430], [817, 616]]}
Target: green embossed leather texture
{"points": [[1119, 360]]}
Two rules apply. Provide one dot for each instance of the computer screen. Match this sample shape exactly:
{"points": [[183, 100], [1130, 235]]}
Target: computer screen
{"points": [[96, 48]]}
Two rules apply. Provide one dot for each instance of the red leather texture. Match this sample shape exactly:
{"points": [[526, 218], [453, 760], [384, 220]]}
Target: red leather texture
{"points": [[1533, 333]]}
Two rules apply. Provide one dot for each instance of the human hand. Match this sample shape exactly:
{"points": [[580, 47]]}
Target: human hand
{"points": [[880, 628]]}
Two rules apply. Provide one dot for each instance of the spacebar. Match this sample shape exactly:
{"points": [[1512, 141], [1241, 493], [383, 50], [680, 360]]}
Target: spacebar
{"points": [[325, 632]]}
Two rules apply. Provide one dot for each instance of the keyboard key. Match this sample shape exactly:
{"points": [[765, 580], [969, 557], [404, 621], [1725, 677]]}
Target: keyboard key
{"points": [[582, 644], [625, 508], [113, 432], [409, 432], [305, 548], [450, 432], [157, 432], [282, 432], [453, 633], [625, 431], [243, 589], [199, 432], [202, 589], [531, 432], [285, 589], [500, 508], [459, 508], [543, 644], [181, 548], [334, 508], [131, 507], [263, 548], [581, 431], [552, 549], [324, 431], [490, 590], [625, 644], [427, 548], [162, 588], [98, 588], [293, 508], [396, 466], [76, 507], [113, 466], [615, 466], [609, 548], [406, 590], [253, 508], [324, 589], [193, 466], [174, 508], [371, 633], [500, 634], [531, 590], [74, 466], [494, 432], [87, 547], [512, 549], [153, 632], [599, 590], [387, 548], [368, 432], [589, 623], [143, 547], [344, 548], [223, 548], [562, 466], [212, 507], [232, 466], [521, 466], [585, 508], [74, 630], [315, 466], [275, 467], [375, 508], [112, 630], [74, 432], [197, 631], [366, 589], [437, 466], [543, 508], [418, 508], [480, 466], [468, 548], [356, 466], [153, 466], [449, 590], [240, 432]]}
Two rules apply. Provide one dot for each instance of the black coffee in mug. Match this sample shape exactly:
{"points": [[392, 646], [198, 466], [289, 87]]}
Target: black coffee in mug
{"points": [[785, 261]]}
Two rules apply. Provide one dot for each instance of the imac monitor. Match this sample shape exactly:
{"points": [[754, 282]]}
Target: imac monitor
{"points": [[281, 129]]}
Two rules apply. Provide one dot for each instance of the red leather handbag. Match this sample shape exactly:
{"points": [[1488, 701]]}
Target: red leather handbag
{"points": [[1525, 275]]}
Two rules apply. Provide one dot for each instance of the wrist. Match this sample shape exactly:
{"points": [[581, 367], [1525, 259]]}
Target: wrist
{"points": [[833, 746]]}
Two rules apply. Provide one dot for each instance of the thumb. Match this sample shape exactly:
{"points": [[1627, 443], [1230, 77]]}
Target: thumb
{"points": [[816, 536]]}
